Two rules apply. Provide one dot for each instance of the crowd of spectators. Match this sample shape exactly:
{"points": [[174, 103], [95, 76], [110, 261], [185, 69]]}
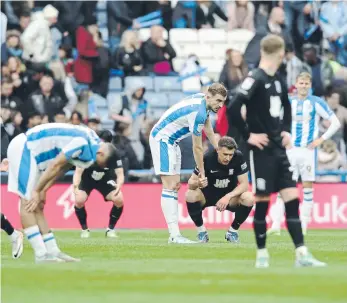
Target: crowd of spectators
{"points": [[54, 59]]}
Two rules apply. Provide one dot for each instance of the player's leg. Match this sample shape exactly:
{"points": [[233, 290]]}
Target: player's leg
{"points": [[241, 206], [263, 169], [115, 213], [81, 196], [277, 210], [308, 175], [167, 164], [15, 236], [195, 200]]}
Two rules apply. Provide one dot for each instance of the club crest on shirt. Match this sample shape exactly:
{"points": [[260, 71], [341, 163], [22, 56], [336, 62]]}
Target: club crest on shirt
{"points": [[244, 166], [231, 171]]}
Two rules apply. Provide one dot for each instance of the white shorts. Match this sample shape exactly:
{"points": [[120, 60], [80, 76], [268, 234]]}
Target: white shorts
{"points": [[23, 172], [166, 157], [303, 163]]}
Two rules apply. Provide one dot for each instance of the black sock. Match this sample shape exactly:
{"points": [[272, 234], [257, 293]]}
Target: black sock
{"points": [[6, 225], [115, 214], [259, 223], [195, 212], [241, 214], [81, 214], [293, 222]]}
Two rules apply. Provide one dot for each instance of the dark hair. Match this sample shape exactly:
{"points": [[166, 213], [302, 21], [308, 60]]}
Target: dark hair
{"points": [[79, 115], [112, 155], [330, 90], [227, 142], [105, 135], [217, 88]]}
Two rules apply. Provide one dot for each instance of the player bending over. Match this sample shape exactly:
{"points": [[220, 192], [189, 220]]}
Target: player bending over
{"points": [[227, 188], [267, 130], [106, 181], [16, 237], [306, 113], [187, 117], [36, 159]]}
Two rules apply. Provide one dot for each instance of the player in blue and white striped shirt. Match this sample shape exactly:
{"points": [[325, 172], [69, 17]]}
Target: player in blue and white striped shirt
{"points": [[188, 117], [36, 159], [307, 110]]}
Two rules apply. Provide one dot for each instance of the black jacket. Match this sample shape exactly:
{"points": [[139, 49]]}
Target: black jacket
{"points": [[118, 19], [126, 61], [201, 19]]}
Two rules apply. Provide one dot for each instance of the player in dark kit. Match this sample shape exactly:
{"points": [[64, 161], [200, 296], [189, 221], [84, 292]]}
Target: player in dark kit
{"points": [[108, 181], [225, 186], [267, 130]]}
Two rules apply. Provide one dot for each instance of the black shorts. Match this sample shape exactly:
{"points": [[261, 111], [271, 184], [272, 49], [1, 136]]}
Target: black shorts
{"points": [[103, 186], [270, 171], [213, 196]]}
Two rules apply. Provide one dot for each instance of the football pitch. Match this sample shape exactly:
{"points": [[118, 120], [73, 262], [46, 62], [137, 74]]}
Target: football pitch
{"points": [[140, 267]]}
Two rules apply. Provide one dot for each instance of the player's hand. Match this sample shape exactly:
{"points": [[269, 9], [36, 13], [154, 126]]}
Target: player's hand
{"points": [[4, 165], [202, 181], [316, 143], [286, 140], [223, 203], [34, 202], [258, 140]]}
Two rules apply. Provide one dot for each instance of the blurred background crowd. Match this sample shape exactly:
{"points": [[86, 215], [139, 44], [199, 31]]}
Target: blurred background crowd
{"points": [[119, 65]]}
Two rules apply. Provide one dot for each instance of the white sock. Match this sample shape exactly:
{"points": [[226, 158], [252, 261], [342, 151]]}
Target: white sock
{"points": [[14, 236], [169, 206], [277, 212], [36, 241], [300, 251], [50, 243], [201, 229], [233, 230], [262, 253], [307, 205]]}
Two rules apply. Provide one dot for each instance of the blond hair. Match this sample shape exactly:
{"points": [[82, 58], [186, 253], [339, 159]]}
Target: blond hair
{"points": [[304, 75], [271, 44], [217, 88]]}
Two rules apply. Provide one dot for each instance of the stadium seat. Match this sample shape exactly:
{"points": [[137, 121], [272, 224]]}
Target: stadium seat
{"points": [[239, 39], [145, 33], [157, 100], [98, 100], [112, 97], [219, 50], [167, 84], [155, 113], [212, 35], [175, 97], [179, 35], [115, 84], [178, 64], [202, 51], [148, 81], [213, 65]]}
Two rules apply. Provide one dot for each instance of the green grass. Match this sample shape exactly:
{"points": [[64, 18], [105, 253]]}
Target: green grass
{"points": [[140, 267]]}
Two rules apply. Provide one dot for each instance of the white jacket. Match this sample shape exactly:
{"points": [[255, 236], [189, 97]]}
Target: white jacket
{"points": [[37, 41]]}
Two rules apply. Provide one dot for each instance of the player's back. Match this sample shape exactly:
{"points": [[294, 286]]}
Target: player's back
{"points": [[305, 117], [180, 120], [46, 141], [265, 97]]}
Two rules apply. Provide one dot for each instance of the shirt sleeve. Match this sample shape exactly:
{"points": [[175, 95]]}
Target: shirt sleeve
{"points": [[75, 148], [242, 167], [196, 123], [323, 109], [119, 163]]}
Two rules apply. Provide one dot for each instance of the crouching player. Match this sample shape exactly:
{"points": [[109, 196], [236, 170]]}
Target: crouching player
{"points": [[225, 186], [106, 181]]}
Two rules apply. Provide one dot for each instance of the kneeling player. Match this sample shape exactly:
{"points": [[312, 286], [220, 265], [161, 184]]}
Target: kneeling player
{"points": [[108, 182], [225, 186]]}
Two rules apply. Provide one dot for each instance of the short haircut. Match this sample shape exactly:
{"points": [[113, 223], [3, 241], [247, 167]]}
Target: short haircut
{"points": [[271, 44], [105, 135], [227, 142], [112, 155], [217, 89], [304, 75]]}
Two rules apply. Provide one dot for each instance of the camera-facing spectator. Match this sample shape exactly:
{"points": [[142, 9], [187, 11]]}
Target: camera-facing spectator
{"points": [[157, 52], [94, 124], [234, 70], [37, 38], [7, 97], [60, 117], [76, 118], [128, 56], [241, 15], [13, 46], [33, 119]]}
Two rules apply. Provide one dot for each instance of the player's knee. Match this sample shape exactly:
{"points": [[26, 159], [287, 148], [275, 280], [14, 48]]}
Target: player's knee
{"points": [[118, 201], [80, 199], [192, 196], [247, 199]]}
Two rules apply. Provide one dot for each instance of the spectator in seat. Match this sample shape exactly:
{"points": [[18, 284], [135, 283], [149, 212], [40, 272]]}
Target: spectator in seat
{"points": [[60, 117], [320, 69], [241, 15], [234, 70], [24, 20], [157, 52], [76, 118], [87, 51], [335, 29], [37, 38], [94, 124], [5, 114], [7, 97], [46, 100], [329, 158], [275, 25], [128, 56], [204, 14], [13, 47], [33, 119], [131, 109]]}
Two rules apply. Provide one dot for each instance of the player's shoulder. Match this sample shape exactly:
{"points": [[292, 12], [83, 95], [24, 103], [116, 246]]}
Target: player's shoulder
{"points": [[238, 156], [257, 74], [210, 156]]}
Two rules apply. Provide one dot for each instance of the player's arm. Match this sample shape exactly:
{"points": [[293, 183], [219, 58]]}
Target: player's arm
{"points": [[210, 133], [287, 119], [241, 187], [198, 154], [77, 177], [195, 181], [324, 111], [119, 171]]}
